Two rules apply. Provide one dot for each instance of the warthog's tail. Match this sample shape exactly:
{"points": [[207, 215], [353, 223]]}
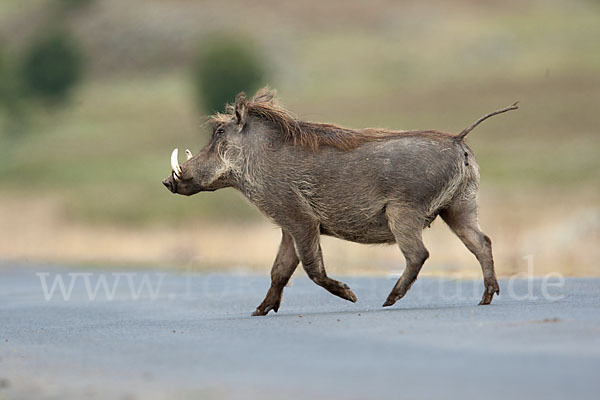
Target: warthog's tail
{"points": [[466, 131]]}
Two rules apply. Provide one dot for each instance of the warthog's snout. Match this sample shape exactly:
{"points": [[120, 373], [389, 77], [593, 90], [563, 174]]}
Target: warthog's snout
{"points": [[169, 184], [170, 181]]}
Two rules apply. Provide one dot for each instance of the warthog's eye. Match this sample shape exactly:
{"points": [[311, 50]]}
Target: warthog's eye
{"points": [[220, 130]]}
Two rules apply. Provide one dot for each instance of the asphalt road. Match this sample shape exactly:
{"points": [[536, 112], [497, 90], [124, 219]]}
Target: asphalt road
{"points": [[196, 339]]}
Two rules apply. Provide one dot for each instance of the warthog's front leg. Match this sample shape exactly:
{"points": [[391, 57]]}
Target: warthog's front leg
{"points": [[284, 266], [309, 250]]}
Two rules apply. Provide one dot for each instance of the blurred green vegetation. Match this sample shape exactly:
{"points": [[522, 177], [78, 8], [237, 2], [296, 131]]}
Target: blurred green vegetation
{"points": [[225, 67], [46, 66], [437, 66], [52, 66], [11, 108]]}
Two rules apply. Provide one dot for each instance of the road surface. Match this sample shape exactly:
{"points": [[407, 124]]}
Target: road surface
{"points": [[191, 336]]}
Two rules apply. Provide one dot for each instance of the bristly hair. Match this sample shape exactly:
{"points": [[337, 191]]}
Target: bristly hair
{"points": [[312, 135]]}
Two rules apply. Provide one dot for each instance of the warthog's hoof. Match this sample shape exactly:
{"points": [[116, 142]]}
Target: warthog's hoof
{"points": [[342, 290], [390, 301], [398, 292], [350, 296], [259, 313], [491, 287], [267, 305], [337, 288]]}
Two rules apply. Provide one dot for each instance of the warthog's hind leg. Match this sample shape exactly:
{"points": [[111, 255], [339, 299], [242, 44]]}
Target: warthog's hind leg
{"points": [[407, 229], [284, 266], [461, 217]]}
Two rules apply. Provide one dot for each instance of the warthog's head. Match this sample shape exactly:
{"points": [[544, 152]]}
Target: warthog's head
{"points": [[219, 163]]}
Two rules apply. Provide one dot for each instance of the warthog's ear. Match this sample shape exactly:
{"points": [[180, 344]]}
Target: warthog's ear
{"points": [[241, 110]]}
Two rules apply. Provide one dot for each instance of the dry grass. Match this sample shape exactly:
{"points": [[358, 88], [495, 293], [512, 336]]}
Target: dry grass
{"points": [[34, 230]]}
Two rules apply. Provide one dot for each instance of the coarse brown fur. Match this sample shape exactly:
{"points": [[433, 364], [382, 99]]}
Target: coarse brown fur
{"points": [[313, 134]]}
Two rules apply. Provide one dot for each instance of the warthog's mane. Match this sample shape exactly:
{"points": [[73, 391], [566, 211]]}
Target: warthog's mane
{"points": [[265, 106]]}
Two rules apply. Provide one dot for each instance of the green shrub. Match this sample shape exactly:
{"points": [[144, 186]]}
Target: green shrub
{"points": [[8, 83], [12, 107], [5, 81], [52, 66], [223, 68]]}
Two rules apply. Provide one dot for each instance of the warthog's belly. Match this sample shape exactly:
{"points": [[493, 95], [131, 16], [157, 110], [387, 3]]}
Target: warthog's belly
{"points": [[374, 230]]}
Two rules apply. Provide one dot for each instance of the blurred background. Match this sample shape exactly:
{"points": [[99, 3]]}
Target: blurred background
{"points": [[95, 94]]}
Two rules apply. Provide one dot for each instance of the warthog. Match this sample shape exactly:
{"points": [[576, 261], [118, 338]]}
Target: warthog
{"points": [[362, 185]]}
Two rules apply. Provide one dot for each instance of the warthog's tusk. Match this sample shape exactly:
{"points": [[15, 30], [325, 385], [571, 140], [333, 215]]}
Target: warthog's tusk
{"points": [[188, 154], [175, 164]]}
